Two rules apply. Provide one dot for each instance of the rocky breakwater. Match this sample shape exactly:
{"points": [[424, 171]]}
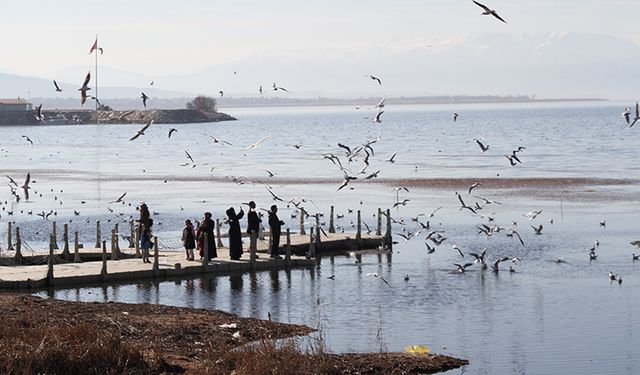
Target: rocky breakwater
{"points": [[159, 116]]}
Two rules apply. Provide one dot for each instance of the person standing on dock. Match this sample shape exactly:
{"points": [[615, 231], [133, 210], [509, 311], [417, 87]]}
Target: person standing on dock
{"points": [[188, 239], [207, 226], [275, 227], [235, 235], [145, 244], [253, 220], [145, 218]]}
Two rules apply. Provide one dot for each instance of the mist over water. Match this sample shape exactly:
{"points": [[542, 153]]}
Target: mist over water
{"points": [[547, 317]]}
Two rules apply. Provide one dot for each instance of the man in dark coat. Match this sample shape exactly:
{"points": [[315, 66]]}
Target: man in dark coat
{"points": [[235, 235], [207, 226], [253, 221], [275, 225]]}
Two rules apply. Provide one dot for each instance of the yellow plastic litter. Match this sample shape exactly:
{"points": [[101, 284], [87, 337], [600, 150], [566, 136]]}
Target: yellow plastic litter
{"points": [[417, 349]]}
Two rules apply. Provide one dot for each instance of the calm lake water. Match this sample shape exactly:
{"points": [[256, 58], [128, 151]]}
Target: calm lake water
{"points": [[546, 318]]}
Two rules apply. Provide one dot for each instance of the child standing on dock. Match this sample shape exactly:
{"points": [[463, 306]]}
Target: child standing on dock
{"points": [[189, 239], [145, 244]]}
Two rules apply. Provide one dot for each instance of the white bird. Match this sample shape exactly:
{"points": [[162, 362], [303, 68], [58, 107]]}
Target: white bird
{"points": [[141, 131], [489, 12], [462, 267], [257, 144], [381, 103], [532, 214], [537, 230], [379, 277], [377, 118], [626, 114]]}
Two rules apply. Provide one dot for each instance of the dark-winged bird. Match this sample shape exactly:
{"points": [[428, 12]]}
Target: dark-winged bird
{"points": [[83, 90]]}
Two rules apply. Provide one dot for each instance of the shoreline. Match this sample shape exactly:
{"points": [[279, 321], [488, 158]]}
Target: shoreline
{"points": [[154, 339]]}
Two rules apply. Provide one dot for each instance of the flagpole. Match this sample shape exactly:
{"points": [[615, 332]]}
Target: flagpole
{"points": [[96, 75]]}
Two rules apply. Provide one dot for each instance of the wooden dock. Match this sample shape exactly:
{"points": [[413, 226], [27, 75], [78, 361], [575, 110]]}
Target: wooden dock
{"points": [[96, 265]]}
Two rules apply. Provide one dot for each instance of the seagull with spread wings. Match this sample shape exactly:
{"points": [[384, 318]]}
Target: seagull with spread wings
{"points": [[119, 198], [257, 144], [637, 117], [83, 90], [375, 79], [141, 131], [58, 89], [144, 98], [489, 12]]}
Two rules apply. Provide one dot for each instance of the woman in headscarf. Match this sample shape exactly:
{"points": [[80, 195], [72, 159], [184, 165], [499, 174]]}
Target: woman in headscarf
{"points": [[235, 235]]}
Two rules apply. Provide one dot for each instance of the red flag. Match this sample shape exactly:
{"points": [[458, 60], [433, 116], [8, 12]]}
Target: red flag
{"points": [[94, 46]]}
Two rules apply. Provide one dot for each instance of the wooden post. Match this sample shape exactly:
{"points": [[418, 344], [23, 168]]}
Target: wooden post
{"points": [[302, 231], [137, 243], [132, 236], [10, 244], [317, 231], [205, 251], [287, 248], [260, 228], [116, 240], [98, 234], [76, 248], [155, 255], [359, 227], [387, 236], [52, 241], [18, 257], [379, 226], [55, 237], [253, 246], [103, 271], [219, 243], [65, 246], [114, 251], [332, 228], [312, 246]]}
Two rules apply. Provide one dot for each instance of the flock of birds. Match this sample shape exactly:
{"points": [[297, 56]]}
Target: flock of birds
{"points": [[353, 164]]}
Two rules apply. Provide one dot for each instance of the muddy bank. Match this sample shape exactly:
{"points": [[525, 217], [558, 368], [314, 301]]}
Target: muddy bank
{"points": [[51, 336]]}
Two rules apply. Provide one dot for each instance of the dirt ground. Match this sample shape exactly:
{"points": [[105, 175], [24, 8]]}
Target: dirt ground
{"points": [[179, 340]]}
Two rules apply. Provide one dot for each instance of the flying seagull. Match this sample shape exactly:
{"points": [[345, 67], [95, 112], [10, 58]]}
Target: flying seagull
{"points": [[58, 89], [462, 267], [376, 79], [275, 197], [171, 131], [455, 116], [39, 116], [379, 277], [83, 90], [141, 131], [28, 139], [381, 103], [276, 88], [189, 157], [475, 185], [221, 93], [635, 119], [144, 99], [392, 158], [25, 187], [257, 144], [488, 11], [119, 198], [626, 114], [482, 146], [377, 117]]}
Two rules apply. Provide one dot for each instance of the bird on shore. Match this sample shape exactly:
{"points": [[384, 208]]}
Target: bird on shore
{"points": [[637, 117], [483, 147], [144, 98], [84, 88], [489, 12], [141, 131], [375, 79], [171, 131], [58, 89]]}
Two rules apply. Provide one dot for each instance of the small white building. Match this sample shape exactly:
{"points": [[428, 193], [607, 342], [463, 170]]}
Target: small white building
{"points": [[17, 104]]}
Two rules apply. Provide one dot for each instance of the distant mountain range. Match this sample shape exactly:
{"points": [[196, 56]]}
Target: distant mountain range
{"points": [[549, 65]]}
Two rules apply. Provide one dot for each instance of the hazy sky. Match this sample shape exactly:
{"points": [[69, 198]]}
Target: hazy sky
{"points": [[41, 38]]}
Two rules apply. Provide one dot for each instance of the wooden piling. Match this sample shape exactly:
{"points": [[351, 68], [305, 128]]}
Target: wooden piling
{"points": [[387, 236], [76, 248], [65, 238], [332, 228], [205, 251], [52, 240], [156, 264], [219, 243], [317, 239], [103, 271], [117, 240], [287, 248], [312, 246], [9, 239], [18, 257], [114, 251], [379, 226], [359, 227], [137, 243], [132, 236], [302, 231], [55, 236], [253, 246], [98, 234]]}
